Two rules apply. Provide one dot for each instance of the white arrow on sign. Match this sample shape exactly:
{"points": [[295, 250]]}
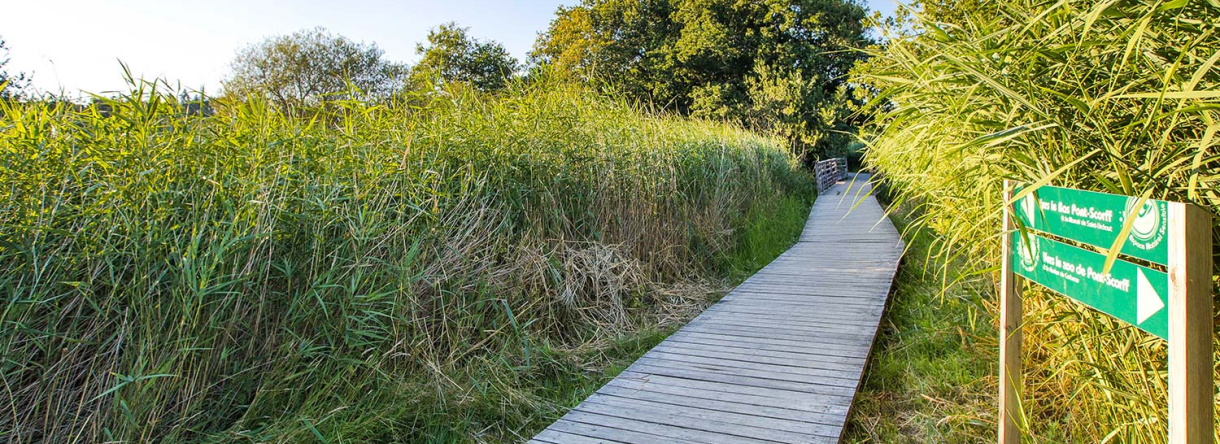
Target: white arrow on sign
{"points": [[1147, 302]]}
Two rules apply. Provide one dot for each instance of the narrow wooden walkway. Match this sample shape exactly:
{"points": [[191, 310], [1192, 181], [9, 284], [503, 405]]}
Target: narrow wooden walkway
{"points": [[778, 360]]}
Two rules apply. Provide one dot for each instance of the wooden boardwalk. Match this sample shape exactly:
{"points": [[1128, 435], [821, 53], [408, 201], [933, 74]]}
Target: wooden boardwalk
{"points": [[778, 360]]}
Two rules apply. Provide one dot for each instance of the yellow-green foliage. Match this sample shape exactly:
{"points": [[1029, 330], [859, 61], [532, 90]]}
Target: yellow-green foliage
{"points": [[372, 273], [1114, 96]]}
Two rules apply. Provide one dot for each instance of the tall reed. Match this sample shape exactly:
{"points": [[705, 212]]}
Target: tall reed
{"points": [[375, 272], [1114, 96]]}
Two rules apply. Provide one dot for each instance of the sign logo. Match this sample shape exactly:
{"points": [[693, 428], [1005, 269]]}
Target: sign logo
{"points": [[1029, 255], [1149, 227]]}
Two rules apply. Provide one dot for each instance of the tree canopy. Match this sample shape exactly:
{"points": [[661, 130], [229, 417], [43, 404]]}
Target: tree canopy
{"points": [[11, 85], [453, 55], [310, 67], [778, 65]]}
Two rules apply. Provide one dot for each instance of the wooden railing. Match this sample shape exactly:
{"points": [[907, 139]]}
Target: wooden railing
{"points": [[830, 171]]}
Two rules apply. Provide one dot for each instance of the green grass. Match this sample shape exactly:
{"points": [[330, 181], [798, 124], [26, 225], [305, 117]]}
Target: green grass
{"points": [[932, 373], [767, 232], [1118, 97], [452, 267]]}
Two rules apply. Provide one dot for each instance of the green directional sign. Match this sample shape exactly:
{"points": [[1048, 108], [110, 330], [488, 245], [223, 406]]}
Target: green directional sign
{"points": [[1097, 219], [1134, 293]]}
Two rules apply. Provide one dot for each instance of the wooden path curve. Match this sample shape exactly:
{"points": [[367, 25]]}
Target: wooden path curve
{"points": [[777, 360]]}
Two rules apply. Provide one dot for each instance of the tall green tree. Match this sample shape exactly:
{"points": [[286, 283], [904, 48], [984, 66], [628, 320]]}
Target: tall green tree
{"points": [[957, 12], [310, 67], [453, 55], [776, 65], [11, 85]]}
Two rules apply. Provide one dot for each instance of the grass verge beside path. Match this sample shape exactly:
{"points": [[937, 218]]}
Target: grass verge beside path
{"points": [[932, 374]]}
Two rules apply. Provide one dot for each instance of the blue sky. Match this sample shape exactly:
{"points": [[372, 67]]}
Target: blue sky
{"points": [[71, 45]]}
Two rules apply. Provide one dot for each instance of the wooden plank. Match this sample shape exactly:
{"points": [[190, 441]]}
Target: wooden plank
{"points": [[710, 414], [777, 360], [743, 380], [764, 277], [752, 371], [741, 426], [775, 371], [843, 289], [828, 359], [808, 349], [788, 273], [810, 311], [811, 305], [806, 304], [818, 303], [782, 309], [643, 425], [610, 433], [759, 356], [747, 332], [806, 301], [779, 329], [796, 295], [753, 313], [803, 273], [552, 436], [725, 403], [757, 396], [813, 289], [813, 343], [838, 335]]}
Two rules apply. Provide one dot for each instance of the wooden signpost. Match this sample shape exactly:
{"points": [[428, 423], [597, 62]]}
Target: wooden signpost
{"points": [[1175, 305]]}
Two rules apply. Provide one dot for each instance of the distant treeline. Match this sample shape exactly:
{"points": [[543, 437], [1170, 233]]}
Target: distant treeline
{"points": [[775, 67]]}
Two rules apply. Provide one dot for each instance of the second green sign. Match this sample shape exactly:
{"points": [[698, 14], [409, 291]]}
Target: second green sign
{"points": [[1133, 293]]}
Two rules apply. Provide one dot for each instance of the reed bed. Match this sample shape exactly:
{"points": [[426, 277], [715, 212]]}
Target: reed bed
{"points": [[1112, 96], [430, 270]]}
